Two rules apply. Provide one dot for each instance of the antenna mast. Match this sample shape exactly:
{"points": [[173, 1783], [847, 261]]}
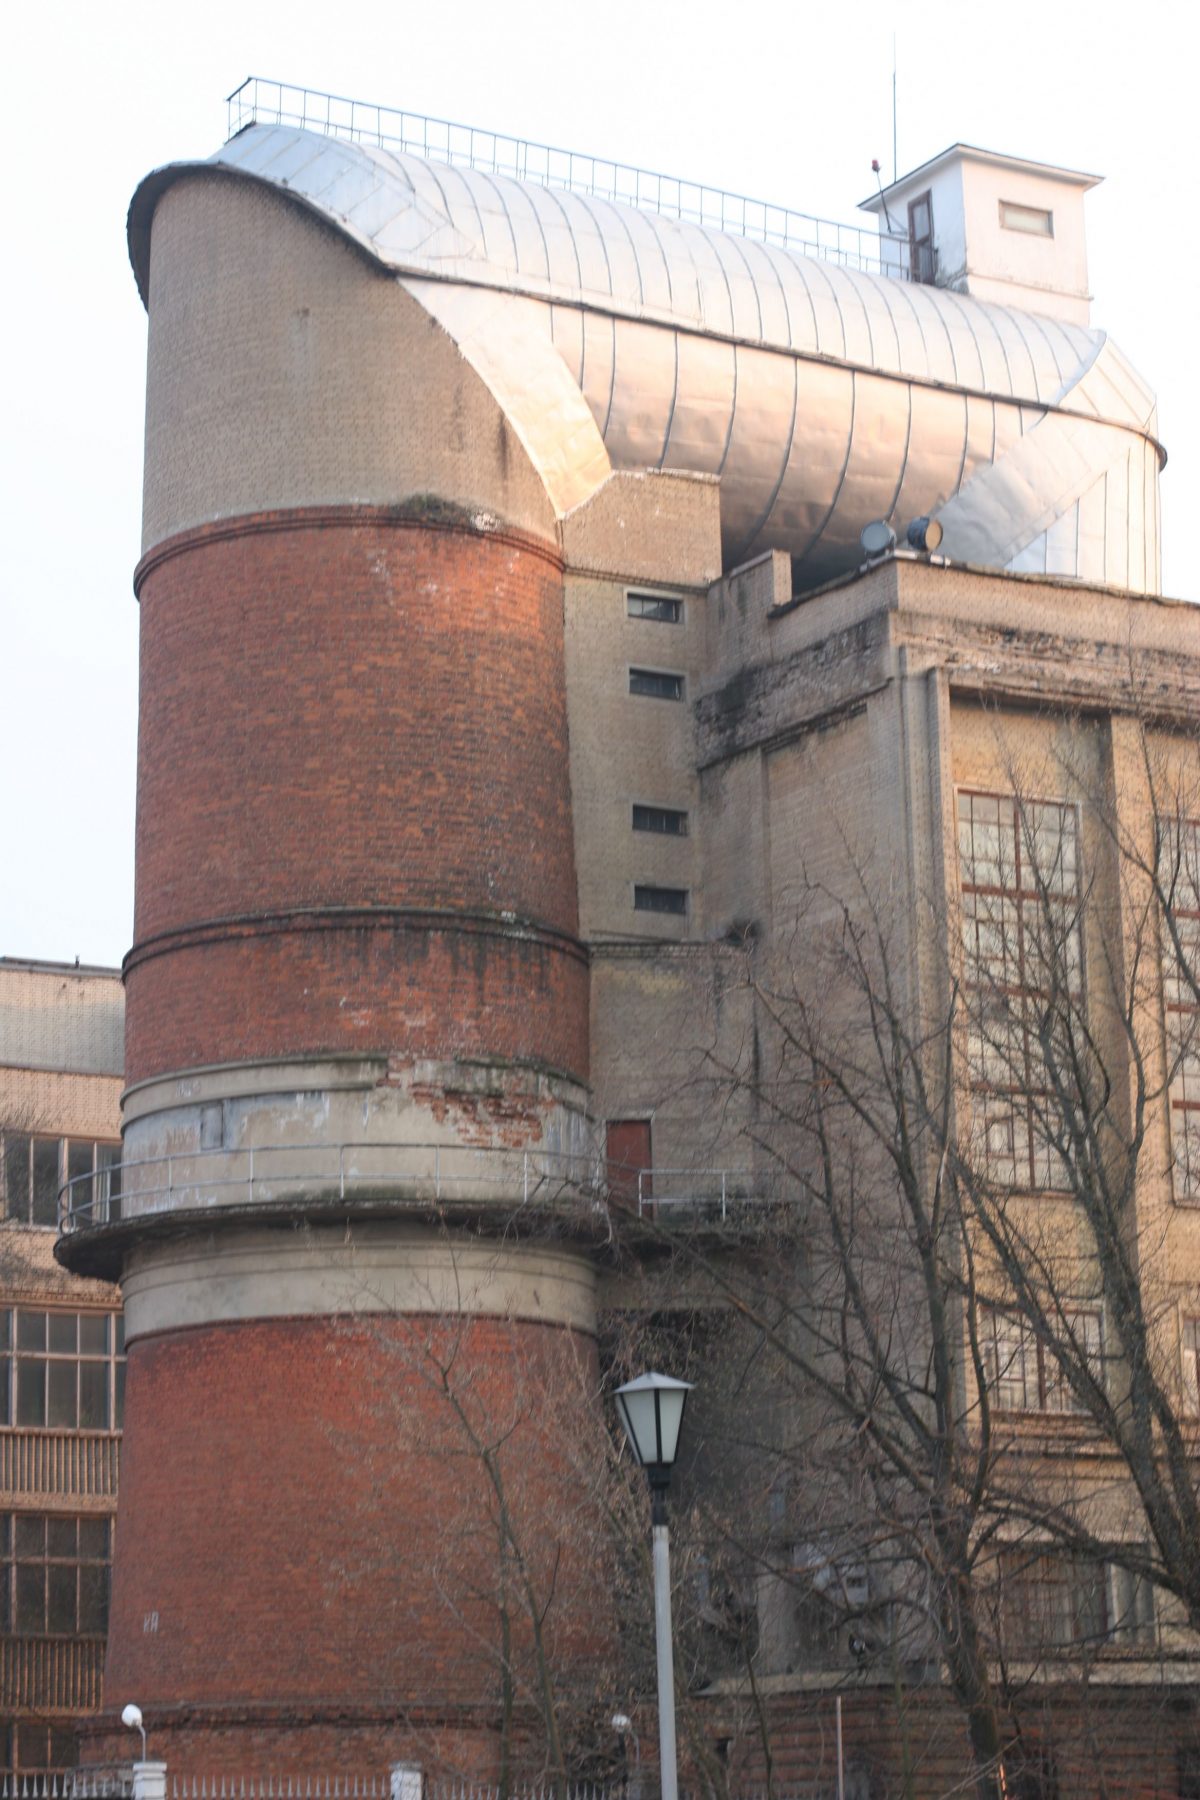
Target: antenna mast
{"points": [[895, 162]]}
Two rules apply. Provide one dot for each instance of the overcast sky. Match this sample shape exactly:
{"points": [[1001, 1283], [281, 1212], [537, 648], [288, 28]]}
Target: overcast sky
{"points": [[786, 103]]}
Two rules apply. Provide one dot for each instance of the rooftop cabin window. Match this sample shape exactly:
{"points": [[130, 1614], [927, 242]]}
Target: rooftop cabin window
{"points": [[1030, 219], [666, 609]]}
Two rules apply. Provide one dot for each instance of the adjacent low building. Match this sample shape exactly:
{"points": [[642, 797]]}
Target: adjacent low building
{"points": [[62, 1386]]}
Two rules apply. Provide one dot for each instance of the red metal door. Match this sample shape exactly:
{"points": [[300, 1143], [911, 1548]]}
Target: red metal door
{"points": [[628, 1151]]}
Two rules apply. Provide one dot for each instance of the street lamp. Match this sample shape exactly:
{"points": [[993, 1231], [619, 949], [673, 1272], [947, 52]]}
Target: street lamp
{"points": [[652, 1414]]}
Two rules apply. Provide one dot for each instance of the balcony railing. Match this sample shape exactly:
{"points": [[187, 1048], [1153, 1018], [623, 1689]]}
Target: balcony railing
{"points": [[444, 1177], [51, 1674], [83, 1464], [261, 101]]}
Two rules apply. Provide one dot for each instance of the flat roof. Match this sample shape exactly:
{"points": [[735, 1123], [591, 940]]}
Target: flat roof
{"points": [[974, 153], [36, 965]]}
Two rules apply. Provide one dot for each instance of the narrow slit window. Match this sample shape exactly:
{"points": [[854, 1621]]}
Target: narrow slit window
{"points": [[664, 609], [655, 684], [666, 821], [660, 899]]}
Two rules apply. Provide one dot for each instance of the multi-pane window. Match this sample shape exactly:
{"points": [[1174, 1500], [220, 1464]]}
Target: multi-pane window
{"points": [[32, 1748], [1190, 1351], [61, 1371], [1052, 1601], [1181, 979], [1023, 970], [666, 609], [34, 1167], [656, 684], [667, 821], [55, 1575], [660, 899], [1023, 1375]]}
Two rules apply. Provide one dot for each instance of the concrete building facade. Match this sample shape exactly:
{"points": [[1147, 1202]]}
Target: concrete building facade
{"points": [[511, 682], [61, 1056]]}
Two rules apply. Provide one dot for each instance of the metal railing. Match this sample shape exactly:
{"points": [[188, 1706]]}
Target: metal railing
{"points": [[51, 1674], [439, 1175], [717, 1192], [262, 101], [84, 1464]]}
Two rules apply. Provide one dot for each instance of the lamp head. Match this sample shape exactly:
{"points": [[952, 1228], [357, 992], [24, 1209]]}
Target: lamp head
{"points": [[131, 1718], [651, 1411]]}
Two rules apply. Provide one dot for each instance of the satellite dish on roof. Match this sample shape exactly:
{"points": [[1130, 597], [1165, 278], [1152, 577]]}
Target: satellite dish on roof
{"points": [[877, 538]]}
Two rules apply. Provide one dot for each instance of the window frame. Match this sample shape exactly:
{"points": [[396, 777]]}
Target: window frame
{"points": [[16, 1359], [1053, 1397], [1181, 1011], [15, 1591], [656, 684], [65, 1143], [1023, 1103], [642, 889], [678, 830], [641, 604], [1009, 209]]}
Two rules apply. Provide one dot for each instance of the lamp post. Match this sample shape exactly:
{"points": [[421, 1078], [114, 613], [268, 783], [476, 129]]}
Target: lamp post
{"points": [[652, 1413]]}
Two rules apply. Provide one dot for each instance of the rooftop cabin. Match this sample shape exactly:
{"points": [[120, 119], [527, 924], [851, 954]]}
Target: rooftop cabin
{"points": [[996, 227]]}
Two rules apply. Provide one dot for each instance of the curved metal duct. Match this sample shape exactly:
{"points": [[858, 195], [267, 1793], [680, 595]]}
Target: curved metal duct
{"points": [[821, 396]]}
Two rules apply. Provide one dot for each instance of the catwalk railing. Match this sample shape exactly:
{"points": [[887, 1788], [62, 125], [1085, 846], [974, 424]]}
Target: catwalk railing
{"points": [[261, 101], [45, 1674], [444, 1176], [83, 1464]]}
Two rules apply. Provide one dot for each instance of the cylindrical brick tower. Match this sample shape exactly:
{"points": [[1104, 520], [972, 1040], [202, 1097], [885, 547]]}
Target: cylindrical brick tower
{"points": [[357, 1032]]}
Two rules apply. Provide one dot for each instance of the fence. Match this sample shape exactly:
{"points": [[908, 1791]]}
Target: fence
{"points": [[443, 1176], [259, 100]]}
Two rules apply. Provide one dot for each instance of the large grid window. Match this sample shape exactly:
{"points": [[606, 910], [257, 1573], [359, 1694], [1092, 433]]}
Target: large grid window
{"points": [[1022, 1375], [32, 1748], [61, 1371], [1051, 1602], [1023, 942], [1181, 974], [34, 1167], [55, 1575], [1190, 1352]]}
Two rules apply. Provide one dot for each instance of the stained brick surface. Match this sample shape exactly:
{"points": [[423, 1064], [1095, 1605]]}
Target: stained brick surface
{"points": [[308, 1535], [353, 709]]}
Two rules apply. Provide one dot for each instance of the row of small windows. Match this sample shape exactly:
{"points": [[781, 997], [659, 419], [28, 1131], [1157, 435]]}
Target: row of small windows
{"points": [[33, 1167], [665, 821], [61, 1371]]}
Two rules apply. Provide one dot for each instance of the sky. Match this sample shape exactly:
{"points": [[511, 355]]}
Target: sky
{"points": [[786, 103]]}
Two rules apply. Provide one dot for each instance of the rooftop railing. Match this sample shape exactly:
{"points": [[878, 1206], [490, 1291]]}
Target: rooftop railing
{"points": [[260, 101], [421, 1176]]}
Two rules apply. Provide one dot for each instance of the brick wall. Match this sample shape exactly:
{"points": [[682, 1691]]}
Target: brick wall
{"points": [[353, 709], [308, 1535]]}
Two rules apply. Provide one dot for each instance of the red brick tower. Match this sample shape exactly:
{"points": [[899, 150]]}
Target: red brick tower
{"points": [[357, 1029]]}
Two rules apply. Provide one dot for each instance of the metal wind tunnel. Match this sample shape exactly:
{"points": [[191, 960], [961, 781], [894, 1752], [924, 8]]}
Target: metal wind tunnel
{"points": [[823, 395]]}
